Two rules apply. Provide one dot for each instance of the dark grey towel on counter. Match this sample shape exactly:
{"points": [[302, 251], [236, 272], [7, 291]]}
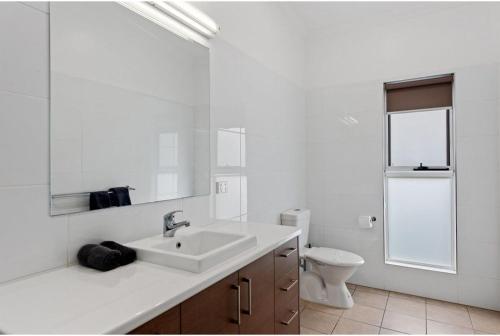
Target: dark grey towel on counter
{"points": [[99, 257]]}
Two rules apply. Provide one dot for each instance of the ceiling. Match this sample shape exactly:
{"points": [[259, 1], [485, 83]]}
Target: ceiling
{"points": [[343, 16]]}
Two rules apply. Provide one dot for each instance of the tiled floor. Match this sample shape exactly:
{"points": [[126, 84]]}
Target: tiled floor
{"points": [[377, 311]]}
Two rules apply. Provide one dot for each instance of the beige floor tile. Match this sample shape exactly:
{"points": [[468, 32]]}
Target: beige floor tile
{"points": [[438, 328], [445, 304], [369, 299], [307, 331], [350, 327], [485, 320], [407, 296], [318, 321], [324, 309], [403, 323], [478, 332], [384, 331], [372, 290], [407, 307], [364, 314], [451, 314]]}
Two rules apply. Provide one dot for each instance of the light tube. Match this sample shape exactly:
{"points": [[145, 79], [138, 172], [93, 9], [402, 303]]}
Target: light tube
{"points": [[153, 14], [180, 16], [195, 14]]}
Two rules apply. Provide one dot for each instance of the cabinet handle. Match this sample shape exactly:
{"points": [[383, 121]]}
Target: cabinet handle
{"points": [[238, 303], [289, 253], [290, 286], [294, 314], [249, 295]]}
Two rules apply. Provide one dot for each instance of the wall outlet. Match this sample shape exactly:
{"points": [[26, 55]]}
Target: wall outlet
{"points": [[221, 187]]}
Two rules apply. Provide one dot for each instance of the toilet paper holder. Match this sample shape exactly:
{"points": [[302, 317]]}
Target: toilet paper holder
{"points": [[366, 222]]}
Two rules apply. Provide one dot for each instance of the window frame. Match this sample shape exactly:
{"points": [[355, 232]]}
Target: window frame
{"points": [[408, 172]]}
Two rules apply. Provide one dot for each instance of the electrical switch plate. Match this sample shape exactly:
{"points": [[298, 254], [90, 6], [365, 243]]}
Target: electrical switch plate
{"points": [[221, 187]]}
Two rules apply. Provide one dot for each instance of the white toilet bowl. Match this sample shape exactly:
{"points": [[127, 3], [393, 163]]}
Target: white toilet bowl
{"points": [[328, 270]]}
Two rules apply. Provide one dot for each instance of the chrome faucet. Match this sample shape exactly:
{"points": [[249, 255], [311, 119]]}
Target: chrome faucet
{"points": [[169, 224]]}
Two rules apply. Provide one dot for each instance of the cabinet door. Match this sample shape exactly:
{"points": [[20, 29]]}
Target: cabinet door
{"points": [[257, 296], [167, 323], [214, 310]]}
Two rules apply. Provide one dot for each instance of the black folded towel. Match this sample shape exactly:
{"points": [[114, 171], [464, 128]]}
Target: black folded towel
{"points": [[99, 200], [128, 255], [120, 196], [99, 257]]}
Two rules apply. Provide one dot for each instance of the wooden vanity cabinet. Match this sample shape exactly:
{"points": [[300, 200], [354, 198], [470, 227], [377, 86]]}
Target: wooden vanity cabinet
{"points": [[286, 291], [257, 296], [261, 298], [213, 310], [168, 323]]}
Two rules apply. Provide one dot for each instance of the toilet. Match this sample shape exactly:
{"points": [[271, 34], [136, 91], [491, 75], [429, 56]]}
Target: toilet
{"points": [[327, 269]]}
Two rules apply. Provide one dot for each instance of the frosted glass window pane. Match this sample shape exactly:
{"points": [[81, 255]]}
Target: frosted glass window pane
{"points": [[419, 220], [419, 137]]}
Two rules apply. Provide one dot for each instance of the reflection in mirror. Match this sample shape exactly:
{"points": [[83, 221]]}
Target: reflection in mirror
{"points": [[129, 107]]}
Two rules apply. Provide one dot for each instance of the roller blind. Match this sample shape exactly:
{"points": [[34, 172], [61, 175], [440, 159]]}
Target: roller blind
{"points": [[419, 94]]}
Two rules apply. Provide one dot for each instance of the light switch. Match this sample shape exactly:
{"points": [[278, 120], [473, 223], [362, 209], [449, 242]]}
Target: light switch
{"points": [[221, 187]]}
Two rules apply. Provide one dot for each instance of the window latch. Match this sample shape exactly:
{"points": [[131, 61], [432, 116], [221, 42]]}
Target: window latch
{"points": [[422, 167]]}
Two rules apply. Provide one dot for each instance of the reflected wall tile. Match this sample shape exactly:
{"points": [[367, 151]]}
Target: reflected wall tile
{"points": [[196, 210]]}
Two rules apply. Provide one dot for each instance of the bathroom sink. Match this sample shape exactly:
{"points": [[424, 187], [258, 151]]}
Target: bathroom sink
{"points": [[195, 252]]}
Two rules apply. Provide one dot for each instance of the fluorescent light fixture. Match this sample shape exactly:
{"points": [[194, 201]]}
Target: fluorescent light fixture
{"points": [[197, 15], [152, 13], [180, 16]]}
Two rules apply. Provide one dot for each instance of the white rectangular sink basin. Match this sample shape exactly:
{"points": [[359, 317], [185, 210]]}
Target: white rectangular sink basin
{"points": [[195, 252]]}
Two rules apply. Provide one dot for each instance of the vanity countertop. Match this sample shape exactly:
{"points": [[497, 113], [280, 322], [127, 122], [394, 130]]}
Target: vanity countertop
{"points": [[78, 300]]}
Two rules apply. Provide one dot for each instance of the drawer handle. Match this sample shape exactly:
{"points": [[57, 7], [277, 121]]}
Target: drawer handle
{"points": [[238, 303], [294, 314], [249, 295], [290, 286], [289, 253]]}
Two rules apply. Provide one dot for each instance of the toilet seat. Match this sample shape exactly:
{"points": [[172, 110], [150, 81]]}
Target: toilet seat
{"points": [[333, 257]]}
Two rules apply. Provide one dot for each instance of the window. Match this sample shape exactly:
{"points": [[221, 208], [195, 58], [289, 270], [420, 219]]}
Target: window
{"points": [[419, 175]]}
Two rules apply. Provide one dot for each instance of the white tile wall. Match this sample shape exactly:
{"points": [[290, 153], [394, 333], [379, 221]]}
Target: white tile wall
{"points": [[345, 143], [251, 88]]}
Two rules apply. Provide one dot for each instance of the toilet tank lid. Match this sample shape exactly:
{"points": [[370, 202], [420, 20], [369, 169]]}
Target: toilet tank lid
{"points": [[295, 214]]}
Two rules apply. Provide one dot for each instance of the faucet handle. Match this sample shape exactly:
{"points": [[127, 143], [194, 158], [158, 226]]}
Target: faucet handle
{"points": [[171, 215]]}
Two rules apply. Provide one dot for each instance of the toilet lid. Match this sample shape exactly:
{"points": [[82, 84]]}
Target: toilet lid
{"points": [[333, 257]]}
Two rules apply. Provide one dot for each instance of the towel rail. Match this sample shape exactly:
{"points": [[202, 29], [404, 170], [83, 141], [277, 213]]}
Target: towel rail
{"points": [[81, 194]]}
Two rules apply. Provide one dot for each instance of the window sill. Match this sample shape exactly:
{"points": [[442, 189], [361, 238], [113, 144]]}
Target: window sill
{"points": [[421, 267]]}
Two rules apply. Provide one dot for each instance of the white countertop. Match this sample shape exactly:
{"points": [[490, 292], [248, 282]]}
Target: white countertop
{"points": [[78, 300]]}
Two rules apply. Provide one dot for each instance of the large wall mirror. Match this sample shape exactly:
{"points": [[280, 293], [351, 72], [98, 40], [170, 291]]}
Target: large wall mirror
{"points": [[129, 108]]}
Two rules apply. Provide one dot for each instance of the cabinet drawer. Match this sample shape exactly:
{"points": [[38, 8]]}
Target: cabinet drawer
{"points": [[287, 317], [167, 323], [287, 288], [286, 258]]}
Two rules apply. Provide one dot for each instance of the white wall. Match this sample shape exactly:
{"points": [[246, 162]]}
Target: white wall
{"points": [[345, 76], [251, 87]]}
